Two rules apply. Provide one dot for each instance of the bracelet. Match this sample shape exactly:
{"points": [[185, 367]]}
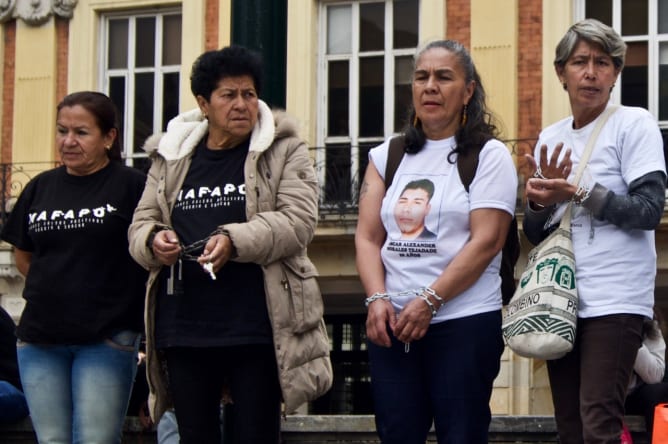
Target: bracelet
{"points": [[428, 291], [375, 297], [431, 292], [580, 195], [425, 298]]}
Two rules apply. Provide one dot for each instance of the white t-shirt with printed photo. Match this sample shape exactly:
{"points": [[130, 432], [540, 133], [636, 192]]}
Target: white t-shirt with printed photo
{"points": [[411, 264]]}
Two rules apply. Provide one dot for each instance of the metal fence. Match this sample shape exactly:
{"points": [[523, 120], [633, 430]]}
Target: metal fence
{"points": [[340, 170], [13, 178]]}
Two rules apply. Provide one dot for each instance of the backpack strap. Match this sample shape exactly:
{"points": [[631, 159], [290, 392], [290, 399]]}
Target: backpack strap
{"points": [[467, 167], [394, 155]]}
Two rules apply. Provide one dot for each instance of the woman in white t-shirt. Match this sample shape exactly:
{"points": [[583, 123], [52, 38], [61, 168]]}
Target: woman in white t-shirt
{"points": [[619, 202], [428, 254]]}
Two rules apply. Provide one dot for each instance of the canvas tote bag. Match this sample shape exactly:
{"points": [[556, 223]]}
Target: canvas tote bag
{"points": [[541, 317]]}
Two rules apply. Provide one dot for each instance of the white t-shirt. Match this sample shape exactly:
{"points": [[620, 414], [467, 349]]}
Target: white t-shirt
{"points": [[650, 364], [411, 264], [615, 268]]}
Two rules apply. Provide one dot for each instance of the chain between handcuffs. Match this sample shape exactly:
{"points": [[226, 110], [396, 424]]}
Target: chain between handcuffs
{"points": [[418, 292], [175, 286]]}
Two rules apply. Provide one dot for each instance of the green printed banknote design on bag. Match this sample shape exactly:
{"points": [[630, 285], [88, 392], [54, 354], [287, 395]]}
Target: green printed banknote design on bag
{"points": [[541, 317]]}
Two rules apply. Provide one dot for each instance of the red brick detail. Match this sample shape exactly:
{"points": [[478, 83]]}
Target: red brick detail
{"points": [[62, 51], [529, 72], [211, 25], [8, 73], [62, 47], [458, 20]]}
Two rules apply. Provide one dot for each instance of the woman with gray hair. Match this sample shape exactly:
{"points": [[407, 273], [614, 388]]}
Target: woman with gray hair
{"points": [[618, 204]]}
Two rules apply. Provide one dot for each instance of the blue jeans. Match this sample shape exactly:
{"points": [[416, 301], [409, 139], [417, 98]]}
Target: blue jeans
{"points": [[445, 378], [13, 405], [79, 393], [168, 429]]}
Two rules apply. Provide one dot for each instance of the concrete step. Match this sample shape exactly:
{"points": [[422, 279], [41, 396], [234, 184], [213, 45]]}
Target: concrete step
{"points": [[351, 429]]}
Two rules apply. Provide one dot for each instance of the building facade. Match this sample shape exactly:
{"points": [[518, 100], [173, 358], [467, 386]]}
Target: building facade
{"points": [[343, 69]]}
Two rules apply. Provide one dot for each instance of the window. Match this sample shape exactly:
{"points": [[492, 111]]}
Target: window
{"points": [[351, 389], [643, 24], [366, 60], [141, 74]]}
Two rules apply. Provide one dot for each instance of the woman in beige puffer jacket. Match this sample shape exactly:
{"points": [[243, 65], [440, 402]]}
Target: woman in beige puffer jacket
{"points": [[280, 217]]}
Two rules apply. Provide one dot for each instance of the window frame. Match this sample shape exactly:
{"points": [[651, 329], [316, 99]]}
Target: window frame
{"points": [[653, 40], [389, 54], [130, 153]]}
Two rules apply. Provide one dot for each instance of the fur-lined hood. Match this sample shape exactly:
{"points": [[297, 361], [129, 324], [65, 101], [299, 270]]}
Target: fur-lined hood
{"points": [[186, 130]]}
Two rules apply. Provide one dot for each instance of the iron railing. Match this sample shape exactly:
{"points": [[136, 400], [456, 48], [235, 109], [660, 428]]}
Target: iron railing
{"points": [[13, 178], [339, 168]]}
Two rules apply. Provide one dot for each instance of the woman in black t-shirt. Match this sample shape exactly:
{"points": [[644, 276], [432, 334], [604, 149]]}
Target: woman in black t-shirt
{"points": [[80, 329]]}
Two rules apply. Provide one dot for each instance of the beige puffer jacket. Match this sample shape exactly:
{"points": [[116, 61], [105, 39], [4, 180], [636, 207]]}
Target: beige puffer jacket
{"points": [[281, 211]]}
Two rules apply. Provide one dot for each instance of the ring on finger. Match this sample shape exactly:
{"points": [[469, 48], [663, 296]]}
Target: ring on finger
{"points": [[538, 174]]}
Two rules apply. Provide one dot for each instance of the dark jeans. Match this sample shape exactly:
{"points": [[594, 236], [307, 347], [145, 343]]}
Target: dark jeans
{"points": [[589, 384], [13, 405], [446, 377], [196, 380]]}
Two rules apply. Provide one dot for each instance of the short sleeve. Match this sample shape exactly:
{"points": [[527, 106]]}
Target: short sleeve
{"points": [[378, 155], [495, 181]]}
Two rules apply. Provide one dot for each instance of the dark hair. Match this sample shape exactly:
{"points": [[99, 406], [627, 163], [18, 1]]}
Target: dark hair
{"points": [[232, 61], [104, 112], [421, 184], [480, 123]]}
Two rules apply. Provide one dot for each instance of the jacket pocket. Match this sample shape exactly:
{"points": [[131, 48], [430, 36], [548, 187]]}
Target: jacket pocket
{"points": [[299, 280]]}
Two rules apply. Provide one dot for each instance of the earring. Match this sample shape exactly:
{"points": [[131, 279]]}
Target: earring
{"points": [[565, 86], [415, 121], [108, 147], [464, 115]]}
